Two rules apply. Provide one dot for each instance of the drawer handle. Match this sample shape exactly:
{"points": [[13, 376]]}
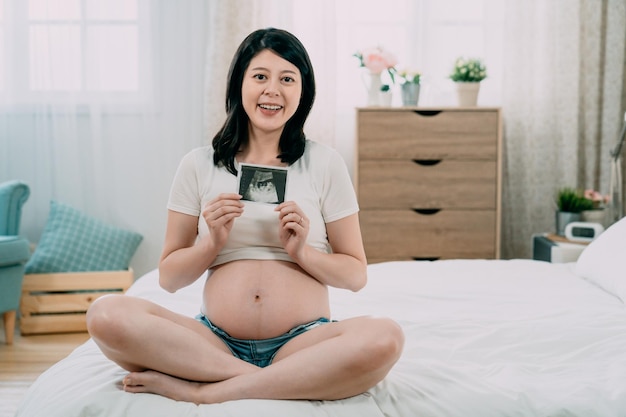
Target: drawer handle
{"points": [[427, 113], [427, 162], [426, 258], [426, 211]]}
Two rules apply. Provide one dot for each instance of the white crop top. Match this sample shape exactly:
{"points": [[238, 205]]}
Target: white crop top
{"points": [[318, 182]]}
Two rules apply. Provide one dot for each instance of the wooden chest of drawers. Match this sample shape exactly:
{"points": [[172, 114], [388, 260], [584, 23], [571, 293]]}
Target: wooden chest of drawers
{"points": [[428, 182]]}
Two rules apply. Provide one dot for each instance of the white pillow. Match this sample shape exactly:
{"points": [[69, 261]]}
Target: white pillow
{"points": [[603, 262]]}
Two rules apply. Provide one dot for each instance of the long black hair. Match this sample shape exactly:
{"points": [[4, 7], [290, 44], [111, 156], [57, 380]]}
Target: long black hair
{"points": [[234, 132]]}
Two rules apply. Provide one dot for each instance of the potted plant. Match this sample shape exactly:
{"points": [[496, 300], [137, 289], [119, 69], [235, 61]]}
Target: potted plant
{"points": [[570, 203], [596, 213], [376, 61], [571, 200], [467, 74], [468, 70], [597, 199], [410, 87]]}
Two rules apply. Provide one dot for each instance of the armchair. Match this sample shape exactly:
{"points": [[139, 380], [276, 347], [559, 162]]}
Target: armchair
{"points": [[14, 252]]}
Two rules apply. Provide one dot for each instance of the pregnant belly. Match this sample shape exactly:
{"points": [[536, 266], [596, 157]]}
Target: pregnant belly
{"points": [[253, 299]]}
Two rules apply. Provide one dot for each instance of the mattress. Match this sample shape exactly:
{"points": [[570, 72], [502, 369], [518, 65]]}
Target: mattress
{"points": [[483, 338]]}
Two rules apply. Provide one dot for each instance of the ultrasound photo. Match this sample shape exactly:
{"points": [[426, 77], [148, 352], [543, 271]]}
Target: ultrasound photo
{"points": [[262, 184]]}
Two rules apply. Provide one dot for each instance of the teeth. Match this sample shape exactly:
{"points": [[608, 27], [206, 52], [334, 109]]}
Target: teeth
{"points": [[269, 107]]}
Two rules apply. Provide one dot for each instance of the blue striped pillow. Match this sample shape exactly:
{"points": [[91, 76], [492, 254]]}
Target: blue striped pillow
{"points": [[74, 242]]}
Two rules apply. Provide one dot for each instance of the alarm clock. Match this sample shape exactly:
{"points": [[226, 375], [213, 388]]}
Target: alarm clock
{"points": [[583, 231]]}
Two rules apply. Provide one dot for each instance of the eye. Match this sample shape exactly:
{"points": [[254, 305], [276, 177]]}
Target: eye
{"points": [[259, 76], [288, 79]]}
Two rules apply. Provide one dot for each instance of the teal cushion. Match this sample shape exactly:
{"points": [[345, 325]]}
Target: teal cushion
{"points": [[73, 242]]}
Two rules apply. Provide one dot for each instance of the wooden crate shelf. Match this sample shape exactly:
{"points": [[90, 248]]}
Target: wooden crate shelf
{"points": [[57, 303]]}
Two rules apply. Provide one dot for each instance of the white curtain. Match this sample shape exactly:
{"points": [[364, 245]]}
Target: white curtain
{"points": [[115, 163], [563, 101]]}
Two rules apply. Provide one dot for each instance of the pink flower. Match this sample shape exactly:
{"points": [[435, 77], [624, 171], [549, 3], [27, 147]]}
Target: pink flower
{"points": [[376, 60], [596, 197]]}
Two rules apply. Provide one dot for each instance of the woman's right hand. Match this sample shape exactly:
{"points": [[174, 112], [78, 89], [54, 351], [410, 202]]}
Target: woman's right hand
{"points": [[220, 214]]}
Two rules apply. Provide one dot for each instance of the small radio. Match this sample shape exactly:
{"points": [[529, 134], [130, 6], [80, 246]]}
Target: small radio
{"points": [[583, 231]]}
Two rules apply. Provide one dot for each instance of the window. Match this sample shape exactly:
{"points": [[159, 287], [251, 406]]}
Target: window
{"points": [[77, 50]]}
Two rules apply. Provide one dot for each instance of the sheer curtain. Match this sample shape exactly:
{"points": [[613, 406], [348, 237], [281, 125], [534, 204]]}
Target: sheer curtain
{"points": [[563, 102], [113, 161]]}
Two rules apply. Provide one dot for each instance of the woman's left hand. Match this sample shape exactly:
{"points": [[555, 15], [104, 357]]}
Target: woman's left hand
{"points": [[294, 227]]}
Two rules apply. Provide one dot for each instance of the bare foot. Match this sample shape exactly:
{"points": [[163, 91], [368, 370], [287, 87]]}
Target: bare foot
{"points": [[157, 383]]}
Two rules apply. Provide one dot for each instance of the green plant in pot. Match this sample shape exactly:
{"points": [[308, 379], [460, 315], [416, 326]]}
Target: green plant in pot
{"points": [[570, 204], [468, 70], [410, 87], [572, 200], [467, 73]]}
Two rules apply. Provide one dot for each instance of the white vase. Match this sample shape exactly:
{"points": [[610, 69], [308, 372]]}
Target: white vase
{"points": [[372, 84], [595, 216], [467, 93]]}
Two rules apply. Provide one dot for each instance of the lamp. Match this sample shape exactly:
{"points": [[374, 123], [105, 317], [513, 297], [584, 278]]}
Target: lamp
{"points": [[615, 188]]}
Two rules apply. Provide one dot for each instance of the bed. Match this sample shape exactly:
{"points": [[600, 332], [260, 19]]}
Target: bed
{"points": [[483, 338]]}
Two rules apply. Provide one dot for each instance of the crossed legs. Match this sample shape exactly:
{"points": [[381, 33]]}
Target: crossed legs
{"points": [[178, 357]]}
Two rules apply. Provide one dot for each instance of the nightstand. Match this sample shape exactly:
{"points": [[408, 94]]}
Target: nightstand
{"points": [[556, 249]]}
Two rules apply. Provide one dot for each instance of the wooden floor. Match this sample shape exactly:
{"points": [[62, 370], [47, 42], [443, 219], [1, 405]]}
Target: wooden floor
{"points": [[22, 362]]}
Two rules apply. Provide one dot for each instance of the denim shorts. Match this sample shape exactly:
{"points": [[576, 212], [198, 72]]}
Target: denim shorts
{"points": [[258, 352]]}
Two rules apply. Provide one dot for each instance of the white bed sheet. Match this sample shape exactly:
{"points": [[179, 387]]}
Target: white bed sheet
{"points": [[483, 338]]}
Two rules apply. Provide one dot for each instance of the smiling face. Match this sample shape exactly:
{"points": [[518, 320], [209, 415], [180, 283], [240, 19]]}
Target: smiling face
{"points": [[271, 91]]}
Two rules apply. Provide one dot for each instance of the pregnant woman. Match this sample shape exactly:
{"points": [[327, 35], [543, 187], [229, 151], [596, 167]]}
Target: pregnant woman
{"points": [[264, 329]]}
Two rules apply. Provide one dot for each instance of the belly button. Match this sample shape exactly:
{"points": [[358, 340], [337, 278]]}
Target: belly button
{"points": [[257, 297]]}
